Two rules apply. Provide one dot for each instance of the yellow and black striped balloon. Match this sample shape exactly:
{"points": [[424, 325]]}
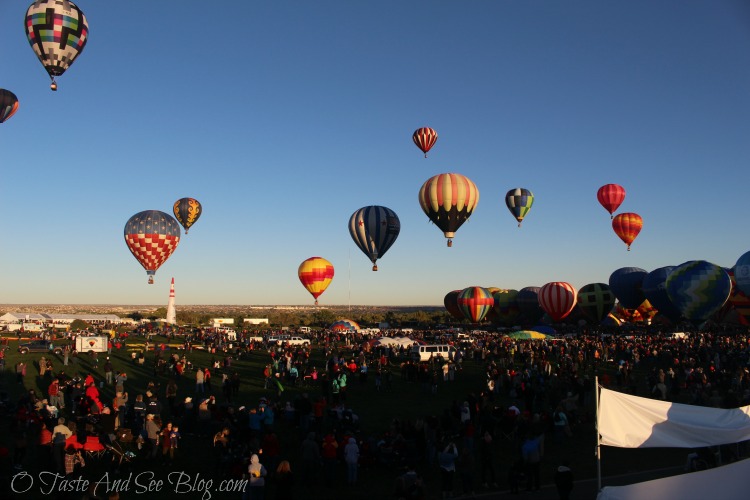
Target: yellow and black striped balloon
{"points": [[187, 211]]}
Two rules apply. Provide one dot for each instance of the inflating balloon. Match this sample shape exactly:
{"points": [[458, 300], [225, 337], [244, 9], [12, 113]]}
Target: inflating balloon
{"points": [[698, 289], [519, 201], [528, 302], [315, 274], [424, 138], [611, 196], [374, 229], [448, 200], [558, 299], [187, 211], [654, 286], [152, 236], [627, 226], [506, 308], [742, 273]]}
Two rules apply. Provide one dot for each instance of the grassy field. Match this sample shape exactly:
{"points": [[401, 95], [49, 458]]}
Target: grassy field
{"points": [[406, 401]]}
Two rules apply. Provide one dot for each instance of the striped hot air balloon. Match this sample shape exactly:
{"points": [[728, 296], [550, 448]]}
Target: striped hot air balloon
{"points": [[152, 236], [519, 201], [627, 226], [475, 302], [424, 138], [315, 274], [558, 299], [611, 196], [374, 229], [448, 200]]}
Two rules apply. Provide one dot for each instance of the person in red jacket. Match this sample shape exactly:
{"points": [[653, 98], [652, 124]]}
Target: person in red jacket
{"points": [[329, 453]]}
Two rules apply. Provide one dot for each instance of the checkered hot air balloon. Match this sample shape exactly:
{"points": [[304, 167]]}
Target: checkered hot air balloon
{"points": [[8, 104], [611, 196], [424, 138], [152, 236], [627, 226], [698, 289], [558, 299], [448, 200], [315, 274], [596, 301], [519, 201], [57, 31], [475, 302], [187, 211], [374, 229]]}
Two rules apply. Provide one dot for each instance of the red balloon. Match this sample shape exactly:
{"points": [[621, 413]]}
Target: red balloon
{"points": [[557, 299], [611, 197], [627, 226], [424, 138]]}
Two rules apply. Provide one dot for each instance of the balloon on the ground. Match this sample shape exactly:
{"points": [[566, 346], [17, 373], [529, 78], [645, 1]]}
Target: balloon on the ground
{"points": [[627, 285], [506, 308], [627, 226], [450, 301], [519, 201], [315, 274], [424, 138], [152, 236], [344, 325], [475, 302], [698, 289], [374, 229], [448, 200], [595, 301], [528, 303], [558, 299], [8, 104], [57, 31], [739, 301], [742, 273], [611, 196], [654, 286], [187, 211]]}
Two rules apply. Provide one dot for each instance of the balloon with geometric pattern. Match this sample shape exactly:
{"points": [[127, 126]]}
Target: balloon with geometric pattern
{"points": [[475, 302], [448, 200], [611, 196], [8, 104], [374, 229], [315, 274], [57, 31], [152, 236], [596, 301], [698, 289], [424, 138], [187, 211], [519, 201]]}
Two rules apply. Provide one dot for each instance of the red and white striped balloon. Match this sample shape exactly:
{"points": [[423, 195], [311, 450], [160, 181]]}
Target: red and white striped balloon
{"points": [[558, 299]]}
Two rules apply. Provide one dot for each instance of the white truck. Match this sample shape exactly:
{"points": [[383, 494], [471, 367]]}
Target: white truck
{"points": [[91, 343]]}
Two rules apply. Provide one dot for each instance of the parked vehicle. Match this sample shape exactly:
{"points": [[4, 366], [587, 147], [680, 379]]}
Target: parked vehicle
{"points": [[425, 352], [288, 339], [39, 346]]}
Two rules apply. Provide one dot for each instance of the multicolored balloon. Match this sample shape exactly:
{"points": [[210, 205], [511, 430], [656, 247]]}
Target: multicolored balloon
{"points": [[315, 274], [627, 226], [187, 211], [558, 299], [519, 201], [596, 301], [506, 308], [8, 104], [448, 200], [152, 236], [475, 302], [654, 286], [627, 285], [698, 289], [57, 31], [450, 301], [611, 196], [528, 303], [424, 138], [344, 325], [374, 229], [742, 273]]}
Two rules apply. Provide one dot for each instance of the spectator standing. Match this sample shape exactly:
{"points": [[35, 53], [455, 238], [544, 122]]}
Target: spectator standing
{"points": [[351, 457], [564, 480], [447, 463]]}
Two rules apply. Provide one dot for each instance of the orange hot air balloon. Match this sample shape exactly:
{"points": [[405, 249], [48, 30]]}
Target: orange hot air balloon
{"points": [[627, 226], [611, 196], [315, 274], [424, 138]]}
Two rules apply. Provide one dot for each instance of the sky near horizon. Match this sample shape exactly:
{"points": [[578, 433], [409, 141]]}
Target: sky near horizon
{"points": [[285, 117]]}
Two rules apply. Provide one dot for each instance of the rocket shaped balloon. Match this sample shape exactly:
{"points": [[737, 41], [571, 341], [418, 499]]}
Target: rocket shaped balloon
{"points": [[171, 312]]}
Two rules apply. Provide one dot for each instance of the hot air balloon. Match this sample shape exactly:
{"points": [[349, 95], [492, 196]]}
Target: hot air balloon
{"points": [[739, 301], [528, 303], [374, 229], [596, 301], [187, 211], [57, 31], [152, 236], [654, 286], [627, 226], [8, 104], [506, 308], [424, 138], [475, 302], [627, 285], [558, 299], [344, 326], [611, 197], [519, 201], [315, 274], [450, 301], [742, 273], [448, 200], [698, 289]]}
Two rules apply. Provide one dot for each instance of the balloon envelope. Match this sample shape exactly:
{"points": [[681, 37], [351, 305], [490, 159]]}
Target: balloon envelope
{"points": [[558, 299], [506, 308], [424, 138], [611, 196], [627, 285], [528, 303], [596, 300], [152, 236], [627, 226], [527, 335], [448, 200], [698, 289], [475, 302], [654, 286], [451, 304], [742, 273], [374, 229], [519, 202], [8, 104], [344, 325], [315, 274], [187, 211]]}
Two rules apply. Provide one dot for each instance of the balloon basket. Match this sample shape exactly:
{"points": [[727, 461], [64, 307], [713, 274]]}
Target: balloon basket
{"points": [[374, 267], [150, 280], [450, 243], [53, 86]]}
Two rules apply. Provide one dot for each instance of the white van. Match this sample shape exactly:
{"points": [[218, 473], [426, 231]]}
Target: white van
{"points": [[425, 352], [304, 329]]}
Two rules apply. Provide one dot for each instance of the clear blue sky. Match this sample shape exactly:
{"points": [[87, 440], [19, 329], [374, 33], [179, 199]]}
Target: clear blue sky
{"points": [[285, 117]]}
